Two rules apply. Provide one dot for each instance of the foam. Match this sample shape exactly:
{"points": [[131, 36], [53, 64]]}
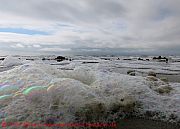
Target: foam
{"points": [[43, 89], [11, 61], [5, 99]]}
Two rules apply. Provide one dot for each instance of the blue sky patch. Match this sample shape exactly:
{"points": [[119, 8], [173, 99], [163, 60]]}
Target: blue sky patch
{"points": [[23, 31]]}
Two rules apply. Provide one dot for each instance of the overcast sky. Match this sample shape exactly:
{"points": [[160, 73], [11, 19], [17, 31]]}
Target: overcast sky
{"points": [[89, 26]]}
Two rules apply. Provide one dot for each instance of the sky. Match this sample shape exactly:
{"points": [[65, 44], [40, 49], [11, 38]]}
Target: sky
{"points": [[99, 27]]}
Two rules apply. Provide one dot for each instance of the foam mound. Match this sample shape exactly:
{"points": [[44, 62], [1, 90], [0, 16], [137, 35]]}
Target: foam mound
{"points": [[10, 61], [38, 92]]}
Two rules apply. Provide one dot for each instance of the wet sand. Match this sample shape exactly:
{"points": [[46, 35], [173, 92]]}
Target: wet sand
{"points": [[137, 123]]}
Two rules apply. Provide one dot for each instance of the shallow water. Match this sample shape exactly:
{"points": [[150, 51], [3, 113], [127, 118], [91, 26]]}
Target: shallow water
{"points": [[171, 78]]}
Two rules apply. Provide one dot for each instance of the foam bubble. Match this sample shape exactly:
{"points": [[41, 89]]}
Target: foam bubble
{"points": [[35, 93], [5, 99]]}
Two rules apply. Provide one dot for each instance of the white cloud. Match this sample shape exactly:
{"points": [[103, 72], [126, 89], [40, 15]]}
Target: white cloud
{"points": [[36, 46], [55, 49], [18, 46], [29, 46]]}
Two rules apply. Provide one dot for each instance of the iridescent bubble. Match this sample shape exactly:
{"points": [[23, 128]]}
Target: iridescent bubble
{"points": [[35, 93], [33, 88], [17, 95], [8, 89], [3, 83], [4, 96], [5, 99]]}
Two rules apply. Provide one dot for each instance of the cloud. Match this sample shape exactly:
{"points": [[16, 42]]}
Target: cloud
{"points": [[17, 46], [64, 10], [36, 46], [137, 25], [54, 49]]}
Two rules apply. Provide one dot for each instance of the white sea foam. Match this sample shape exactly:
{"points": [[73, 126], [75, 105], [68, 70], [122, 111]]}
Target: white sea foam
{"points": [[38, 87], [11, 61]]}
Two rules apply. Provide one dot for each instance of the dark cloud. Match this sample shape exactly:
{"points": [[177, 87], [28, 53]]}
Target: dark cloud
{"points": [[64, 10]]}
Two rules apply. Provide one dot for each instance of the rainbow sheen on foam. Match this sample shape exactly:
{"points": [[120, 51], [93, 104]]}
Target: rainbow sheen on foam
{"points": [[33, 88], [8, 87], [5, 96]]}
